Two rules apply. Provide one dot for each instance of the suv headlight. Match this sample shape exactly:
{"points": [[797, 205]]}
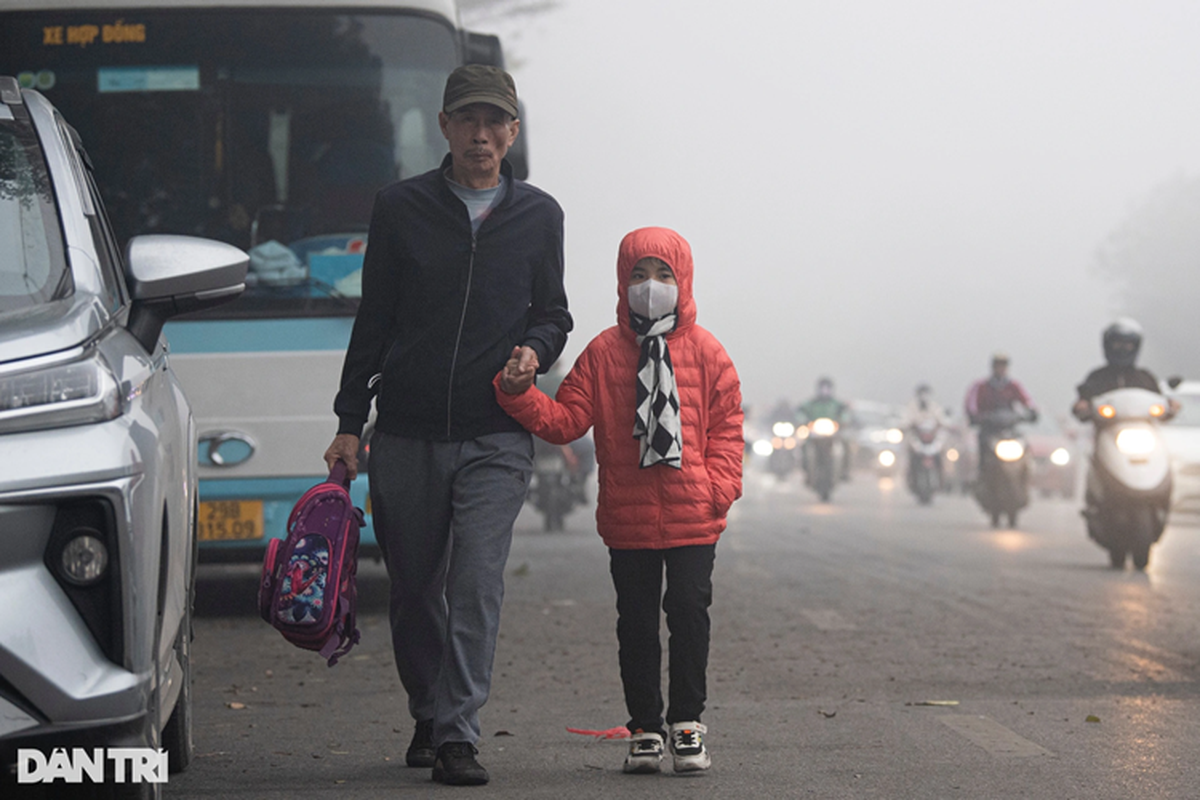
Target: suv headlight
{"points": [[57, 395]]}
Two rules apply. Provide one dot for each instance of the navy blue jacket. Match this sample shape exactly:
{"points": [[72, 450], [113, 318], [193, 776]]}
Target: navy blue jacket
{"points": [[442, 308]]}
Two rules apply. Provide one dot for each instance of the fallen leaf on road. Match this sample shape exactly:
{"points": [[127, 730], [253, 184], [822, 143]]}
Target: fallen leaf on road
{"points": [[612, 733], [236, 706], [827, 714], [935, 703], [503, 733], [1092, 718]]}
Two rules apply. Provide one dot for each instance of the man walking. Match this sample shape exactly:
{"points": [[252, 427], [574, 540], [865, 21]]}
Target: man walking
{"points": [[464, 264]]}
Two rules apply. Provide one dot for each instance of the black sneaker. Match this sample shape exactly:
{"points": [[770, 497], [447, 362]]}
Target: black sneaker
{"points": [[456, 765], [420, 749]]}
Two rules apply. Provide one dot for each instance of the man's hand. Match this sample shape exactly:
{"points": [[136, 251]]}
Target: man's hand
{"points": [[345, 448], [519, 371]]}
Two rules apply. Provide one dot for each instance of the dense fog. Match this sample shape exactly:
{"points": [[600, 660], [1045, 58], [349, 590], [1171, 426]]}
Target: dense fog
{"points": [[881, 192]]}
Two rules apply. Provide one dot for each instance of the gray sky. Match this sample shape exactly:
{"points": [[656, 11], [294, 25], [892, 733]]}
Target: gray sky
{"points": [[881, 191]]}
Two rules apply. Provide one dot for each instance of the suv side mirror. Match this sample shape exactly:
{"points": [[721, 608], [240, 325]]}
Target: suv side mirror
{"points": [[1174, 381], [170, 275]]}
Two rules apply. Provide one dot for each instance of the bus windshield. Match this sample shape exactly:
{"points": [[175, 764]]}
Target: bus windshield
{"points": [[268, 129]]}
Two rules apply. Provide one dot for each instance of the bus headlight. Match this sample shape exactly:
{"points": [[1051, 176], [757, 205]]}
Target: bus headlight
{"points": [[1060, 457], [763, 447], [1136, 442], [1009, 450]]}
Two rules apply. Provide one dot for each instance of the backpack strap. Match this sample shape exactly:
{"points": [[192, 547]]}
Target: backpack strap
{"points": [[339, 645], [337, 474]]}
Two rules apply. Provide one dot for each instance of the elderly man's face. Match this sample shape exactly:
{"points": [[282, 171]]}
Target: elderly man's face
{"points": [[479, 136]]}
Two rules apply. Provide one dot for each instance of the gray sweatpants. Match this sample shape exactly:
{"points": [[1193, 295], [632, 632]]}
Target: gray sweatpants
{"points": [[443, 516]]}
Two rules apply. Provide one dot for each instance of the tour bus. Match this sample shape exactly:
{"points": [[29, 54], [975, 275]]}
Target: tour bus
{"points": [[268, 124]]}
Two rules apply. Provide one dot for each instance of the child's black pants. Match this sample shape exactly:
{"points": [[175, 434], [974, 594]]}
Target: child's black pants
{"points": [[638, 578]]}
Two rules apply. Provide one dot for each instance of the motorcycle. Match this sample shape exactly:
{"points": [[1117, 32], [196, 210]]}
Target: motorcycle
{"points": [[782, 459], [554, 489], [1002, 488], [820, 456], [1129, 478], [926, 442]]}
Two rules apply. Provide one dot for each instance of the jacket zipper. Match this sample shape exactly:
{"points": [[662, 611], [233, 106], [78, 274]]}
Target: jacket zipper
{"points": [[458, 337]]}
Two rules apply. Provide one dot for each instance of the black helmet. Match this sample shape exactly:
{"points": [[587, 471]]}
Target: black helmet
{"points": [[1122, 340]]}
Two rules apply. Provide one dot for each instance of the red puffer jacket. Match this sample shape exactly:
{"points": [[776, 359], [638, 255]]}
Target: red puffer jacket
{"points": [[660, 506]]}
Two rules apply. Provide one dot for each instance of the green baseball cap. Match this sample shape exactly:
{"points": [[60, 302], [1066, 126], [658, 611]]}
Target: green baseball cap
{"points": [[478, 83]]}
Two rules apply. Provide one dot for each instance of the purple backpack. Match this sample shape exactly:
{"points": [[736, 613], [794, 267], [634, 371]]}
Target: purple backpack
{"points": [[308, 590]]}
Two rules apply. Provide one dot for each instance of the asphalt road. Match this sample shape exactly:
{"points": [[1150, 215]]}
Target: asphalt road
{"points": [[866, 648]]}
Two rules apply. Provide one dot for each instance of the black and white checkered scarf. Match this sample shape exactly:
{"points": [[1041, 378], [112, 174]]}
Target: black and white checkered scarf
{"points": [[657, 422]]}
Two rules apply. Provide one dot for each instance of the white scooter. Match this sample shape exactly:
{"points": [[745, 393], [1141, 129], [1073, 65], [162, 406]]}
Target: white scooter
{"points": [[1129, 479]]}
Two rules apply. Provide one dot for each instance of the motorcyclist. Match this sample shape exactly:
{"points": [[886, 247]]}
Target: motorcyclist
{"points": [[994, 393], [824, 405], [923, 407], [1122, 340], [921, 411]]}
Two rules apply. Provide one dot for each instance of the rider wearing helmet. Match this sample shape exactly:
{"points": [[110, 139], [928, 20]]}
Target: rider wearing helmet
{"points": [[1122, 341], [998, 391], [923, 407], [824, 404]]}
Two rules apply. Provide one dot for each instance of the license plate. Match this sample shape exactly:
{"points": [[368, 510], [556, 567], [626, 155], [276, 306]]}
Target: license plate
{"points": [[230, 520]]}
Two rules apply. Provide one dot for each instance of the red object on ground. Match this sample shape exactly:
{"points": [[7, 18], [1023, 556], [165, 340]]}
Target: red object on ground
{"points": [[612, 733]]}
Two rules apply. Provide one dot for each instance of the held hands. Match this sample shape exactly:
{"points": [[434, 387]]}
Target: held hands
{"points": [[519, 371], [345, 448]]}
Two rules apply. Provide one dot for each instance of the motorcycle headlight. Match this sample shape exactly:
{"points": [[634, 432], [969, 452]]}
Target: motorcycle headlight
{"points": [[57, 395], [887, 458], [1009, 450], [952, 455], [1060, 457], [783, 429], [824, 427], [895, 436], [1136, 442], [763, 447]]}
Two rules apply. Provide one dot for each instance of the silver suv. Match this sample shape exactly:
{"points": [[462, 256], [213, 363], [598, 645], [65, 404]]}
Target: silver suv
{"points": [[98, 487]]}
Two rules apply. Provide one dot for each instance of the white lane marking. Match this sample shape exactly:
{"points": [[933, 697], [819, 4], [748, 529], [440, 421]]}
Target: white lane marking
{"points": [[993, 737], [826, 619]]}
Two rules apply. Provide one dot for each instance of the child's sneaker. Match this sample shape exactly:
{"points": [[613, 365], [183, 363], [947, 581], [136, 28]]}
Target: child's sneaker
{"points": [[645, 753], [687, 746]]}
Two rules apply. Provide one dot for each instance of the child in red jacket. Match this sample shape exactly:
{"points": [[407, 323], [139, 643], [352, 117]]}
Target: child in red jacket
{"points": [[665, 402]]}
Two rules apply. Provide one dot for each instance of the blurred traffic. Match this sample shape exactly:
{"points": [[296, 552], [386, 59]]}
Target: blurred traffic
{"points": [[1128, 473]]}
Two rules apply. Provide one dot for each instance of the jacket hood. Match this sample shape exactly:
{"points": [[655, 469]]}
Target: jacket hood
{"points": [[665, 244]]}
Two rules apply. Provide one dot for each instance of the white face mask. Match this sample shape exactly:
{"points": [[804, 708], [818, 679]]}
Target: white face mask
{"points": [[652, 299]]}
